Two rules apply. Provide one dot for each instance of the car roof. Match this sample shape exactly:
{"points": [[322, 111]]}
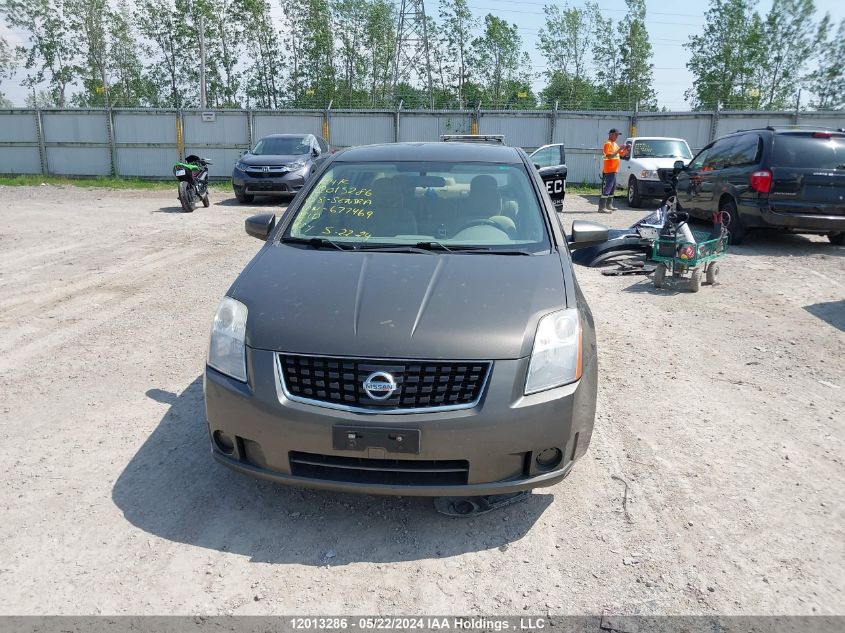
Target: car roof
{"points": [[303, 135], [445, 152]]}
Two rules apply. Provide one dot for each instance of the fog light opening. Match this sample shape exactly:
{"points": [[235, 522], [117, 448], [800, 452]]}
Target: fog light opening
{"points": [[549, 459], [225, 443]]}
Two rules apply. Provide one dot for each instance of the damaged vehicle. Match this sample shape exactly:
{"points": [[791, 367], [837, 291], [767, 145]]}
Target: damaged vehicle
{"points": [[412, 326]]}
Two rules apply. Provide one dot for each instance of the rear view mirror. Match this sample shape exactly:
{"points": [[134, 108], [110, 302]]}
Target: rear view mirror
{"points": [[260, 225], [678, 167], [586, 233], [315, 152]]}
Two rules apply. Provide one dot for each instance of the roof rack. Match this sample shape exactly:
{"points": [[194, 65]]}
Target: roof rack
{"points": [[803, 127], [492, 139]]}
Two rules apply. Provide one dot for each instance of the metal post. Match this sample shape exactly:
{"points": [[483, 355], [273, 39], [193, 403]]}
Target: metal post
{"points": [[554, 123], [326, 120], [396, 122], [632, 125], [112, 144], [797, 108], [42, 149], [250, 128], [203, 100], [714, 123], [473, 124], [180, 140]]}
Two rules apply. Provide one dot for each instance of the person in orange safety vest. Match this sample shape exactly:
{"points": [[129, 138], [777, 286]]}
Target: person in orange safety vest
{"points": [[611, 152]]}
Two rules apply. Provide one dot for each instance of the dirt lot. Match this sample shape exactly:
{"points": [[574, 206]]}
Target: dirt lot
{"points": [[721, 412]]}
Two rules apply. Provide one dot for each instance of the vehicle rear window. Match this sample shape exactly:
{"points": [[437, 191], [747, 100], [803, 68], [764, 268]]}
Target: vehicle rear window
{"points": [[803, 150], [661, 148], [482, 204]]}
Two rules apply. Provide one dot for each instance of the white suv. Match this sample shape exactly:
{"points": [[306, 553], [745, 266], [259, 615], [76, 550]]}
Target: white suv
{"points": [[638, 170]]}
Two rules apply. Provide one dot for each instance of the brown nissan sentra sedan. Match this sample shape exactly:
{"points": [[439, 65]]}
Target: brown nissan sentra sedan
{"points": [[412, 326]]}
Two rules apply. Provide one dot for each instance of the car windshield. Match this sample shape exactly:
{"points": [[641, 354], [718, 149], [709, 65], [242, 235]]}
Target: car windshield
{"points": [[282, 145], [455, 206], [794, 150], [661, 148]]}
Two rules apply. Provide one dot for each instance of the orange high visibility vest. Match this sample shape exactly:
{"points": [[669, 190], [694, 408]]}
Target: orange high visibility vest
{"points": [[611, 165]]}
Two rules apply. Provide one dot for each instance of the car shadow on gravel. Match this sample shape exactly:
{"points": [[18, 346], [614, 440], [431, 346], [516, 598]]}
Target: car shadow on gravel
{"points": [[174, 489], [263, 201]]}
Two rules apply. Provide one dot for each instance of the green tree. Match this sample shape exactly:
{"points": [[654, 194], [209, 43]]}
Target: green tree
{"points": [[607, 58], [51, 53], [222, 21], [158, 21], [380, 42], [785, 44], [264, 85], [8, 65], [129, 87], [827, 81], [458, 24], [350, 24], [565, 42], [723, 56], [310, 41], [498, 58], [636, 80], [90, 21]]}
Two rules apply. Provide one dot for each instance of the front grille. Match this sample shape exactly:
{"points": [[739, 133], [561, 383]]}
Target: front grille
{"points": [[405, 472], [419, 384]]}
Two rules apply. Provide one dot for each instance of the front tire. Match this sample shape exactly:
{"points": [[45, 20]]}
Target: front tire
{"points": [[243, 197], [634, 199], [205, 201], [187, 196], [695, 280]]}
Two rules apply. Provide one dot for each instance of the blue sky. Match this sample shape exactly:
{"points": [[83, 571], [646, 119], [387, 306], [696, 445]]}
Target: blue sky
{"points": [[670, 24]]}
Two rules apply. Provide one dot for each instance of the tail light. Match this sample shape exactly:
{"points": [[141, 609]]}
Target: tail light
{"points": [[821, 135], [761, 181]]}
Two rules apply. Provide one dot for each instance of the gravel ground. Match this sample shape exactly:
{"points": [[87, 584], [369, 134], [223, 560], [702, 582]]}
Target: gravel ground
{"points": [[713, 483]]}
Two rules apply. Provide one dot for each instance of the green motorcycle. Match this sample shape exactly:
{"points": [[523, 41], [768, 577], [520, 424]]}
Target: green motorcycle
{"points": [[192, 175]]}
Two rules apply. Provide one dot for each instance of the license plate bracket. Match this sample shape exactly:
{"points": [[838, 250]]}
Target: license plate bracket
{"points": [[357, 438]]}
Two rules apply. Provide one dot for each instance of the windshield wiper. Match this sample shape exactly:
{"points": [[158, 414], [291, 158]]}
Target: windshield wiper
{"points": [[315, 242]]}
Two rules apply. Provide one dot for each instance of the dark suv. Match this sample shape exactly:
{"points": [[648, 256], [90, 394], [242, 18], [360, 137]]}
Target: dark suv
{"points": [[787, 178]]}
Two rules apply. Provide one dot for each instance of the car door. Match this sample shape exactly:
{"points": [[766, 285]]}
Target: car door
{"points": [[625, 163], [689, 179], [706, 178], [549, 161]]}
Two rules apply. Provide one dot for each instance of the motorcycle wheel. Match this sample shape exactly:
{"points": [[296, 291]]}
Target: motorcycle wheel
{"points": [[187, 196], [205, 201]]}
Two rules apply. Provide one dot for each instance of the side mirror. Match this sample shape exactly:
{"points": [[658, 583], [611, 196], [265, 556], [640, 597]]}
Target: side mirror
{"points": [[315, 152], [586, 233], [678, 167], [260, 225]]}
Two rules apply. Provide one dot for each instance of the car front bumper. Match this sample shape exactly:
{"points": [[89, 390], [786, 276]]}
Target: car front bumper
{"points": [[498, 440], [651, 188], [272, 183]]}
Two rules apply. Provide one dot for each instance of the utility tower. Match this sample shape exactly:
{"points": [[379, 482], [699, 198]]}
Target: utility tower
{"points": [[412, 45]]}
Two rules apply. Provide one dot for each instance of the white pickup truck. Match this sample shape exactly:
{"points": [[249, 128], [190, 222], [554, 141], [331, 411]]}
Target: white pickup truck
{"points": [[647, 154]]}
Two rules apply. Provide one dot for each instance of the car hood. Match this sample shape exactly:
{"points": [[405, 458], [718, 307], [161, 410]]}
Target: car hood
{"points": [[271, 159], [397, 305], [654, 164]]}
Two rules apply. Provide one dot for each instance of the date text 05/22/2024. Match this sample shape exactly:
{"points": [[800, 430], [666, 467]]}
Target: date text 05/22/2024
{"points": [[418, 623]]}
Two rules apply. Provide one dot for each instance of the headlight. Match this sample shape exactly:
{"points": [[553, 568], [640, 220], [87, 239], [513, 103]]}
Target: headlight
{"points": [[226, 349], [241, 166], [556, 357], [299, 164], [648, 174]]}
